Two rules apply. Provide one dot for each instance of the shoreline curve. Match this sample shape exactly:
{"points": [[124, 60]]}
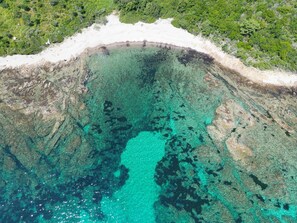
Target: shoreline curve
{"points": [[161, 32]]}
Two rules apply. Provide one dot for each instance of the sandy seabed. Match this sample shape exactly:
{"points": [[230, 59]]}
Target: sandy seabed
{"points": [[162, 31]]}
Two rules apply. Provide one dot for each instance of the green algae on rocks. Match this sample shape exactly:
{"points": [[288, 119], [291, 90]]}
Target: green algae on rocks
{"points": [[228, 146]]}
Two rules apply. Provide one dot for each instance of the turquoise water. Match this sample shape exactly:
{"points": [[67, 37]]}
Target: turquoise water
{"points": [[134, 202], [146, 141]]}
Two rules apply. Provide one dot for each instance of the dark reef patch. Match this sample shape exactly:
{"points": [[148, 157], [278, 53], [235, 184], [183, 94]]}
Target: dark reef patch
{"points": [[190, 55]]}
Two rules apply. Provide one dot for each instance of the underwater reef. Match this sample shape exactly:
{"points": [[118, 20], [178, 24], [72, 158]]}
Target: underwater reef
{"points": [[226, 148]]}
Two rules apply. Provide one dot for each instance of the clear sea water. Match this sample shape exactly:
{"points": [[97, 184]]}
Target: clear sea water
{"points": [[136, 146], [134, 202]]}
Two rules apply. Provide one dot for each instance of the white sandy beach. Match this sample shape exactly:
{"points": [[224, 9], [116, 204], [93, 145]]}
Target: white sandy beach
{"points": [[161, 32]]}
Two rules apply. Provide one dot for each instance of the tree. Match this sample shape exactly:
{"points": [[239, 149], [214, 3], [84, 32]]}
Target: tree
{"points": [[152, 9], [249, 26], [285, 48]]}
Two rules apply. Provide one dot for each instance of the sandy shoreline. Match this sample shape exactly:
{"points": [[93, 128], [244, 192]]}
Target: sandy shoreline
{"points": [[159, 32]]}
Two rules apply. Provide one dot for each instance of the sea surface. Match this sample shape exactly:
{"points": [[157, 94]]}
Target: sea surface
{"points": [[145, 134]]}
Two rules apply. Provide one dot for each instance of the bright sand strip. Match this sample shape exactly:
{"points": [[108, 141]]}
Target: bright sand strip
{"points": [[160, 32]]}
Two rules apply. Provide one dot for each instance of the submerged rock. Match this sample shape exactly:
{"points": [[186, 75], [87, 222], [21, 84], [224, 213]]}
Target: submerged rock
{"points": [[230, 151]]}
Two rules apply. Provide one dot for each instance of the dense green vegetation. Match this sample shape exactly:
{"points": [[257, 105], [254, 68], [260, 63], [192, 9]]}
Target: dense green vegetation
{"points": [[26, 25], [262, 33]]}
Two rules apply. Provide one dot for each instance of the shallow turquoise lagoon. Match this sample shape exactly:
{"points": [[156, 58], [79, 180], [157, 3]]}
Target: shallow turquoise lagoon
{"points": [[134, 202], [146, 134]]}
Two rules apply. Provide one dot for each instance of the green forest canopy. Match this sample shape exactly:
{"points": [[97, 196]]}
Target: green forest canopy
{"points": [[263, 33]]}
